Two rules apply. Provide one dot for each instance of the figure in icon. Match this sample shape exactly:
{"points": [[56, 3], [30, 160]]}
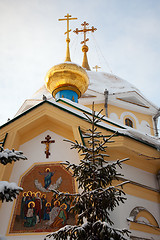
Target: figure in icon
{"points": [[47, 177]]}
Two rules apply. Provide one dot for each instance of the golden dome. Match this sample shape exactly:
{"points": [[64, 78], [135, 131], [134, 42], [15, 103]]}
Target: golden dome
{"points": [[67, 76]]}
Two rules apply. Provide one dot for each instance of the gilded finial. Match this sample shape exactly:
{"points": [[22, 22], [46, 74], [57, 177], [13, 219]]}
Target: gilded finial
{"points": [[85, 47], [67, 18], [96, 67]]}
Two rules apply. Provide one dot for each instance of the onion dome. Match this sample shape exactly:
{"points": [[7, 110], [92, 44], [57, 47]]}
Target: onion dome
{"points": [[67, 80]]}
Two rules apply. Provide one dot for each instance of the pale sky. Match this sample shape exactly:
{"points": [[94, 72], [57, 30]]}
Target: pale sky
{"points": [[32, 40]]}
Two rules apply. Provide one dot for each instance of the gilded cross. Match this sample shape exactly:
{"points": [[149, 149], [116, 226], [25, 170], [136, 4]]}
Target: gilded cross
{"points": [[67, 18], [85, 47], [47, 142], [85, 30], [96, 67]]}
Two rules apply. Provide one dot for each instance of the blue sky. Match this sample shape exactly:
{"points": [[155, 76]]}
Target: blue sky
{"points": [[127, 42]]}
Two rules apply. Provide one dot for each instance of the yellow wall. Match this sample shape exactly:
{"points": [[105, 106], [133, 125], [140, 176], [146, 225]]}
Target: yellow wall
{"points": [[97, 107], [144, 228], [119, 111], [49, 117]]}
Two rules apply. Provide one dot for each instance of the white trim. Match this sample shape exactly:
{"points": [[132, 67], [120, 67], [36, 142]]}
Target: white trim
{"points": [[132, 117]]}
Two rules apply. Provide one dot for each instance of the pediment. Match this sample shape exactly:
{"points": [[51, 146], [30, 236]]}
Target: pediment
{"points": [[85, 95], [134, 100], [44, 116]]}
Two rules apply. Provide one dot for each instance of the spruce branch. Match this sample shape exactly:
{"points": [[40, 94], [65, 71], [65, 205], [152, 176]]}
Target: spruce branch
{"points": [[9, 156], [9, 191], [98, 196]]}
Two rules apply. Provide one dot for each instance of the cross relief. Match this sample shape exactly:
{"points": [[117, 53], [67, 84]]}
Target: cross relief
{"points": [[47, 143]]}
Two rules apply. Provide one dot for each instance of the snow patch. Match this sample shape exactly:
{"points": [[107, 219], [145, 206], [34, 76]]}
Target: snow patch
{"points": [[6, 185]]}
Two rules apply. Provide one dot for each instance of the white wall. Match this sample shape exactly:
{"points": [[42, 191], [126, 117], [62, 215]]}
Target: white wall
{"points": [[122, 212], [34, 151], [138, 175], [60, 151]]}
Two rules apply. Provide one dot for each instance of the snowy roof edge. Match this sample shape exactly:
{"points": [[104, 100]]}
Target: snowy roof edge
{"points": [[131, 133]]}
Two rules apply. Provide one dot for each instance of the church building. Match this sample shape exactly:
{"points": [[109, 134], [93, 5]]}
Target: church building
{"points": [[54, 113]]}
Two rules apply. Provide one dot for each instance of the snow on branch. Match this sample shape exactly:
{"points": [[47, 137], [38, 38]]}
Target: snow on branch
{"points": [[8, 191], [9, 156], [98, 197], [90, 231]]}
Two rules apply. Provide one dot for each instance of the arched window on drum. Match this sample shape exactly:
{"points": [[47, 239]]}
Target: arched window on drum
{"points": [[129, 122]]}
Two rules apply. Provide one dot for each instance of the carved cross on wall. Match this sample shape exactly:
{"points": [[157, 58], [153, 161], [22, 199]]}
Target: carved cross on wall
{"points": [[47, 142]]}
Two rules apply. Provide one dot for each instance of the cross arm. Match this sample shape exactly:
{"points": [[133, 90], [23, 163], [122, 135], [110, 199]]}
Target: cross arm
{"points": [[77, 31], [90, 29], [62, 19]]}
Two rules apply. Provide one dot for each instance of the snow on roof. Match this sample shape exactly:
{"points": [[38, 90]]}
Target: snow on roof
{"points": [[121, 129], [78, 109], [42, 91], [98, 81]]}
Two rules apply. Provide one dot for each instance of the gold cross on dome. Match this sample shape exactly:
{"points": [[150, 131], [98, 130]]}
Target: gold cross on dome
{"points": [[96, 67], [85, 30], [67, 18]]}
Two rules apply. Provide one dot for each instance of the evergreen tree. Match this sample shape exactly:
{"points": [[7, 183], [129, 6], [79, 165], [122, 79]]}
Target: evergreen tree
{"points": [[97, 195], [8, 191]]}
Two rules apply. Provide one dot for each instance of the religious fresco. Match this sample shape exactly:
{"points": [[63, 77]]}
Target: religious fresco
{"points": [[37, 209]]}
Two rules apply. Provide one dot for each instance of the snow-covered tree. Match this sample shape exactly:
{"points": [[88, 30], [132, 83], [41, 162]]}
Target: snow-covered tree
{"points": [[97, 197], [8, 191]]}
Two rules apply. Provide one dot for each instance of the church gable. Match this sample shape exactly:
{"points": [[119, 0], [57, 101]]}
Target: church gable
{"points": [[133, 100], [38, 119], [63, 109]]}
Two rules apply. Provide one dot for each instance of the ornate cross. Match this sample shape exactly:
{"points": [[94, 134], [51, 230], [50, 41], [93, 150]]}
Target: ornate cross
{"points": [[47, 142], [85, 30], [67, 18], [96, 67]]}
